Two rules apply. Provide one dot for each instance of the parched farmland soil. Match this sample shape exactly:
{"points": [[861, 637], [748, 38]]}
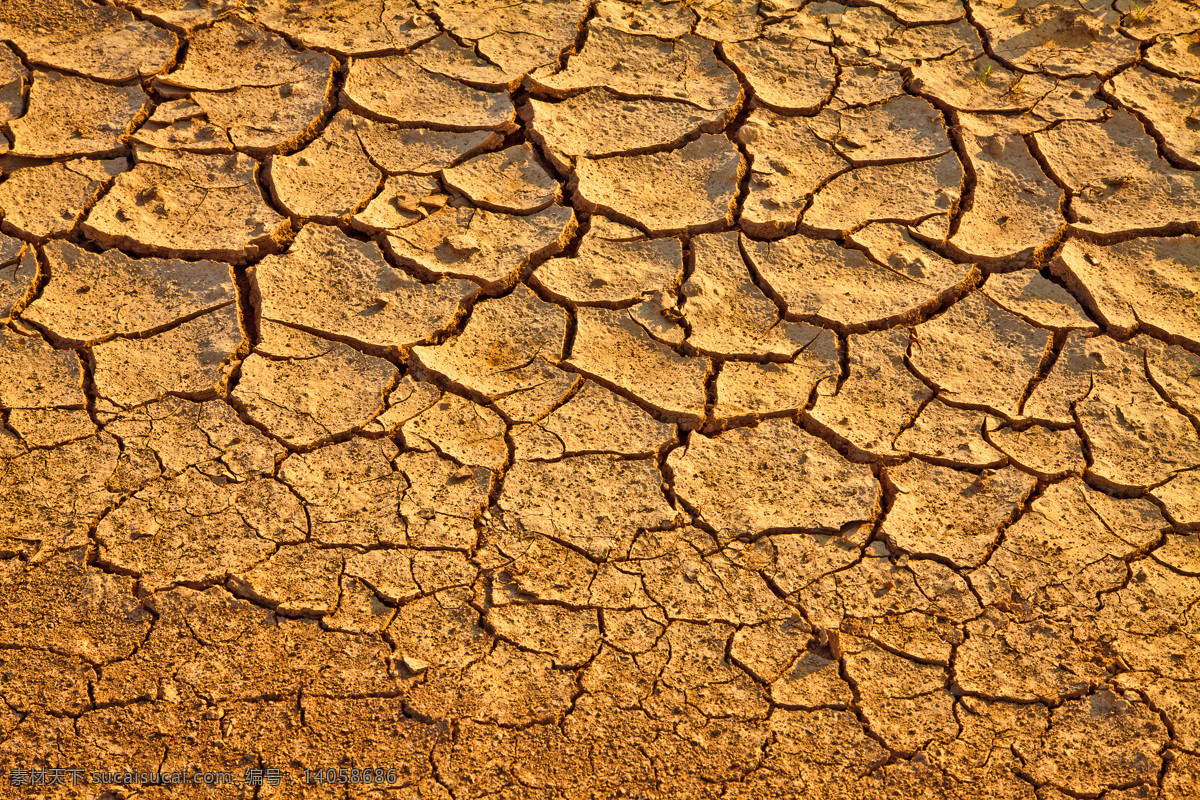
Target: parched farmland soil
{"points": [[739, 399]]}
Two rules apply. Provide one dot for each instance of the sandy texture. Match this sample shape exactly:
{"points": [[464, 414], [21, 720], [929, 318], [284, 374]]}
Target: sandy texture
{"points": [[568, 400]]}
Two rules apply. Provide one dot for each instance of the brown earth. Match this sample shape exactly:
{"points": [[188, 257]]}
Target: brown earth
{"points": [[601, 398]]}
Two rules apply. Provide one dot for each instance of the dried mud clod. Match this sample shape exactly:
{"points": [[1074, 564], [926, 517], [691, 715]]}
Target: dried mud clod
{"points": [[629, 398]]}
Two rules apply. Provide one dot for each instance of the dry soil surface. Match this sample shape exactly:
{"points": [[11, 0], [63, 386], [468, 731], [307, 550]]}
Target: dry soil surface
{"points": [[601, 398]]}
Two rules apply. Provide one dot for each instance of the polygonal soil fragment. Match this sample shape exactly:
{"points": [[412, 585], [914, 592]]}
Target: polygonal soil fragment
{"points": [[908, 192], [727, 314], [905, 701], [510, 180], [1046, 452], [1156, 18], [396, 149], [50, 597], [269, 119], [976, 84], [663, 20], [350, 491], [343, 288], [1170, 106], [612, 348], [1024, 661], [93, 296], [299, 581], [693, 188], [195, 357], [1123, 736], [182, 15], [517, 38], [698, 670], [1180, 498], [36, 375], [1172, 371], [1136, 437], [775, 652], [1176, 55], [1146, 281], [47, 201], [1071, 545], [444, 56], [329, 179], [879, 396], [919, 12], [14, 78], [441, 503], [182, 125], [46, 682], [1014, 209], [869, 32], [786, 75], [979, 354], [440, 630], [599, 123], [349, 27], [395, 88], [1154, 622], [571, 637], [727, 21], [187, 206], [905, 128], [614, 264], [595, 503], [484, 246], [953, 515], [17, 276], [43, 513], [867, 84], [404, 200], [196, 529], [644, 67], [818, 279], [253, 84], [693, 579], [593, 420], [1070, 99], [748, 481], [247, 650], [431, 420], [1118, 179], [325, 390], [1175, 700], [1055, 36], [208, 436], [507, 686], [507, 353], [746, 389], [11, 249], [71, 116], [907, 606], [235, 53], [950, 436], [1030, 296], [788, 163], [102, 42], [982, 753]]}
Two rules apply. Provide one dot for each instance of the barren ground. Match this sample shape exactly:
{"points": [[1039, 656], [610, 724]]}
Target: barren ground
{"points": [[706, 399]]}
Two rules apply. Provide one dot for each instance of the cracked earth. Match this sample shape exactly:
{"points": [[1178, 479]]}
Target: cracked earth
{"points": [[564, 399]]}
